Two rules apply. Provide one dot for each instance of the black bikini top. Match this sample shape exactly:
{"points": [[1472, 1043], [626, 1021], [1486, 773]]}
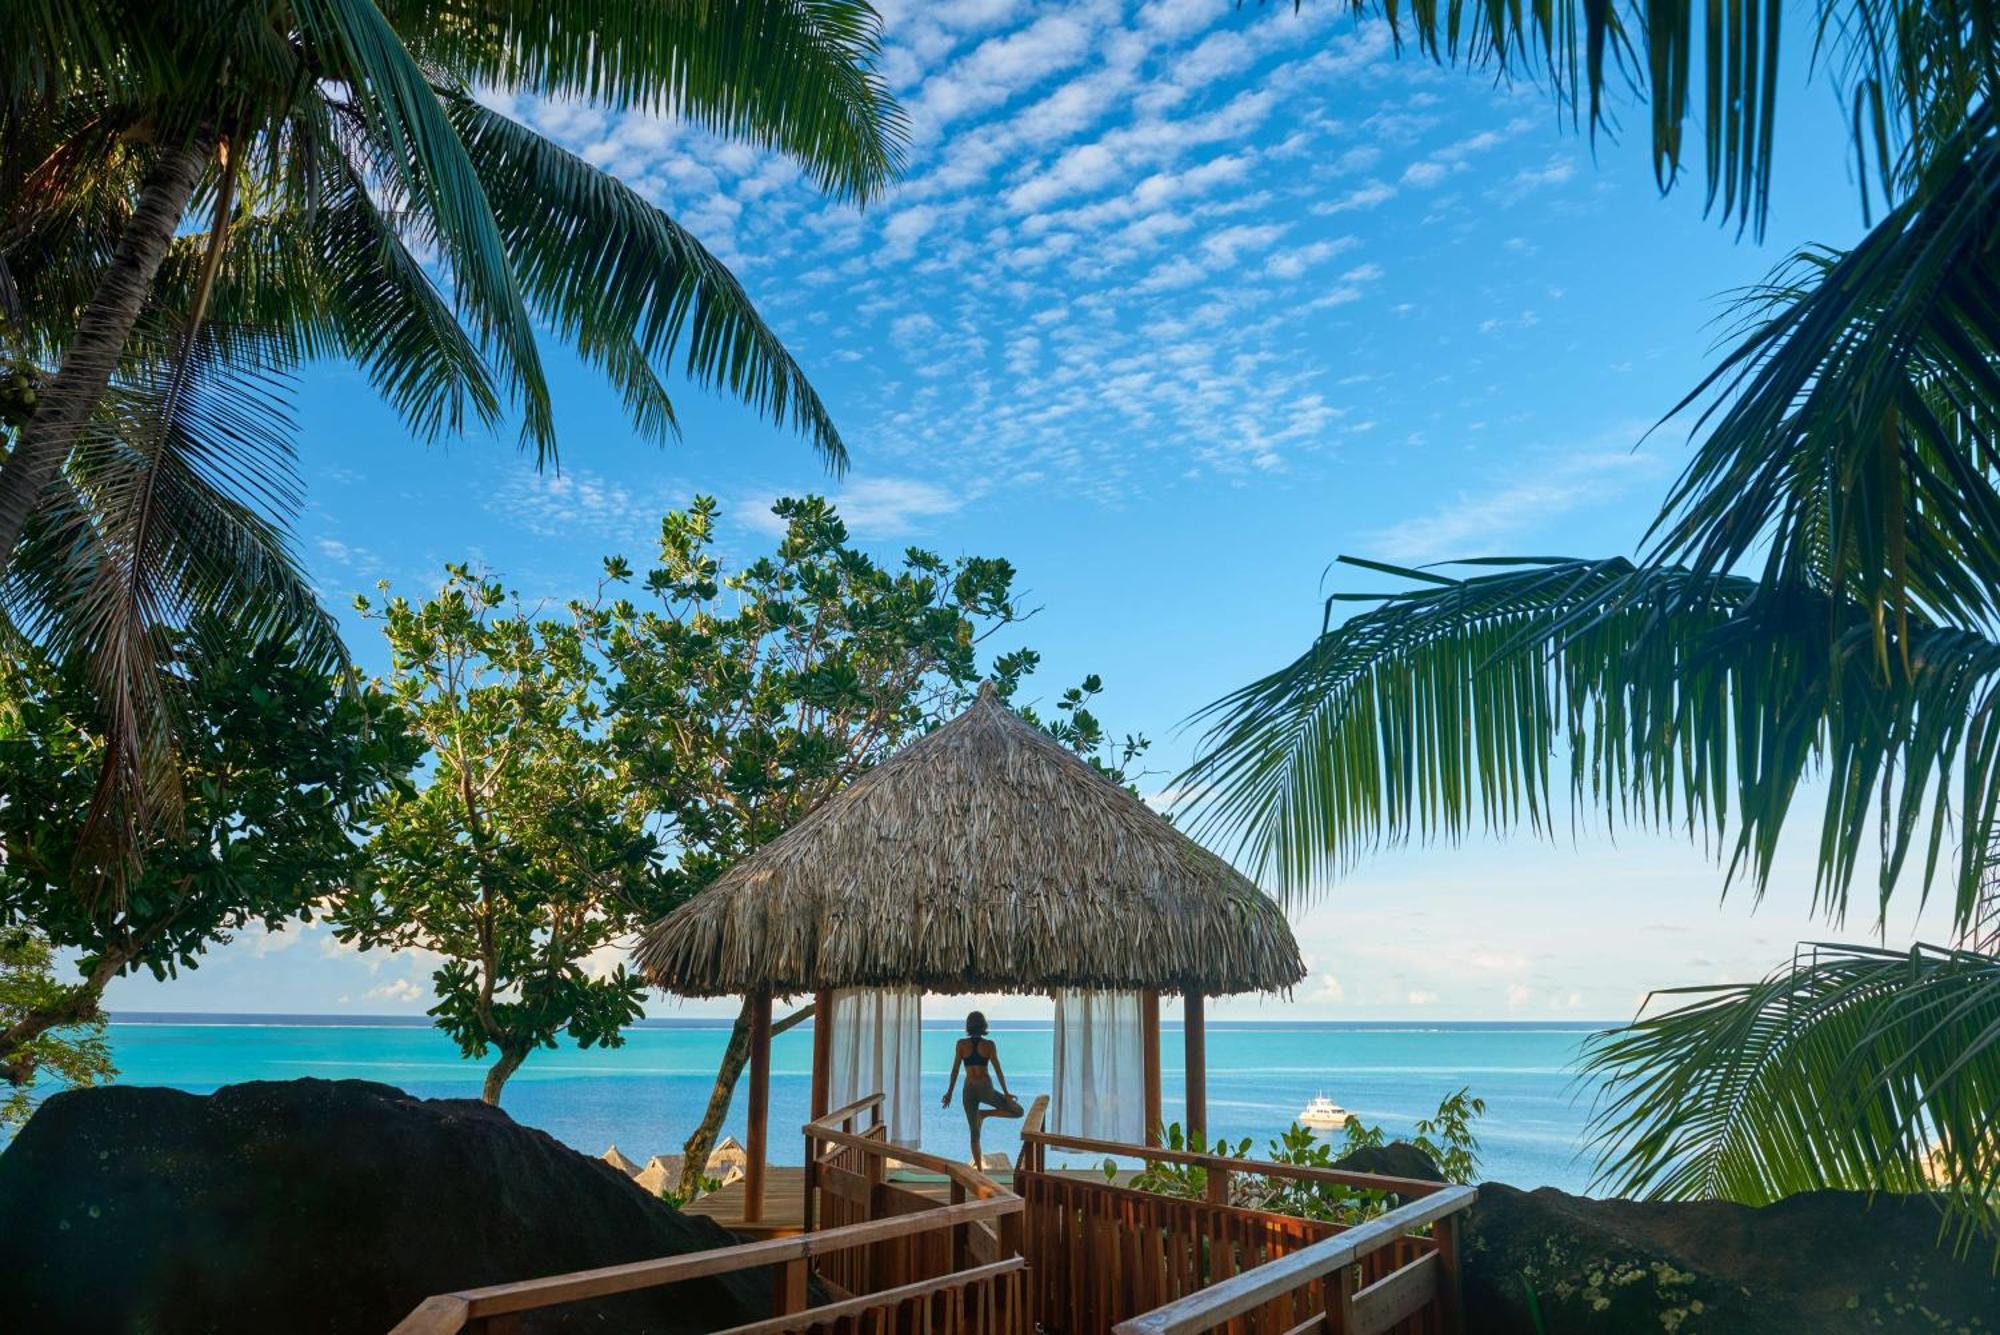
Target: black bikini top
{"points": [[975, 1057]]}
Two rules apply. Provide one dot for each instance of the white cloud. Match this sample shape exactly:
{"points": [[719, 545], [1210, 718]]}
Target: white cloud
{"points": [[1293, 261], [1478, 523], [878, 507], [575, 503], [1371, 195], [400, 991]]}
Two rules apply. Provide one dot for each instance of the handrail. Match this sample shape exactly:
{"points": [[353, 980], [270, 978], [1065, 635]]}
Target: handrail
{"points": [[855, 1306], [1031, 1126], [854, 1109], [975, 1183], [1241, 1293], [823, 1131], [1401, 1186], [449, 1312]]}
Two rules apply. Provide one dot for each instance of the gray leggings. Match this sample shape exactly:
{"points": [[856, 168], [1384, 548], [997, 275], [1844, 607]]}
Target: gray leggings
{"points": [[981, 1100]]}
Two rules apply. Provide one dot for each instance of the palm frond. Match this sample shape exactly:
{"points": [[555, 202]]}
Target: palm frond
{"points": [[1910, 74], [170, 515], [1677, 699], [420, 154], [1850, 436], [794, 76], [625, 284], [1853, 1068]]}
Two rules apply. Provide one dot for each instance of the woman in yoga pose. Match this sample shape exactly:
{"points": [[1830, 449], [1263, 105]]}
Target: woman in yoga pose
{"points": [[977, 1053]]}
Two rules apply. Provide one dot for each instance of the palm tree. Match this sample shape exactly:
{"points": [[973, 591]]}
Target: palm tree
{"points": [[1818, 599], [197, 198]]}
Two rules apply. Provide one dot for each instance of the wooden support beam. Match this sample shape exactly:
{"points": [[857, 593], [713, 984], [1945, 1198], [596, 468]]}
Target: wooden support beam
{"points": [[1149, 1035], [1194, 1030], [759, 1147], [822, 1099], [822, 1076]]}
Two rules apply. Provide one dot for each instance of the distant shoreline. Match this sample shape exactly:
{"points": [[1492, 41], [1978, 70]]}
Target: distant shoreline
{"points": [[258, 1020]]}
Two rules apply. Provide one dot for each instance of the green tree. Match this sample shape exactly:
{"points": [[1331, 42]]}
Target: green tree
{"points": [[741, 699], [279, 762], [197, 198], [73, 1056], [1815, 605], [521, 856]]}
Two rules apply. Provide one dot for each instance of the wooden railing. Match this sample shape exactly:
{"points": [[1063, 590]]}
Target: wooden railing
{"points": [[1416, 1295], [488, 1311], [892, 1258], [1102, 1256], [848, 1153], [1070, 1253]]}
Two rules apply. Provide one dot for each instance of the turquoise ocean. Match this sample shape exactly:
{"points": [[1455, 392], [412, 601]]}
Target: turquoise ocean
{"points": [[646, 1095]]}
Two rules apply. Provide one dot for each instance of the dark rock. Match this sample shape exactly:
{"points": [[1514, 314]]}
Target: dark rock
{"points": [[1823, 1263], [1399, 1158], [325, 1206]]}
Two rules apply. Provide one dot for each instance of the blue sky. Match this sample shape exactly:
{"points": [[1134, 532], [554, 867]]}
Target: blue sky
{"points": [[1177, 302]]}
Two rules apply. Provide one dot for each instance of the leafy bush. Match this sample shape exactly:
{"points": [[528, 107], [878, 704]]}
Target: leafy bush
{"points": [[1447, 1137]]}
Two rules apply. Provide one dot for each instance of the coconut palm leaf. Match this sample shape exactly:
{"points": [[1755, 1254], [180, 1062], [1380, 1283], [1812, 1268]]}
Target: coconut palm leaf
{"points": [[618, 278], [1676, 699], [1910, 73], [424, 162], [1852, 1068], [793, 76], [1852, 430], [168, 516]]}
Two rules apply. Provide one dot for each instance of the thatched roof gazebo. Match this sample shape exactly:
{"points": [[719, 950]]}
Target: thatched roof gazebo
{"points": [[983, 857]]}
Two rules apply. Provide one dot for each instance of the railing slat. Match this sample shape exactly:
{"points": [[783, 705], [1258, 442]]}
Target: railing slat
{"points": [[527, 1294], [814, 1316], [1400, 1186], [1233, 1297], [1400, 1294]]}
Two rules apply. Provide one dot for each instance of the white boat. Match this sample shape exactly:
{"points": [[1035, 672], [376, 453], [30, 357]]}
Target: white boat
{"points": [[1323, 1114]]}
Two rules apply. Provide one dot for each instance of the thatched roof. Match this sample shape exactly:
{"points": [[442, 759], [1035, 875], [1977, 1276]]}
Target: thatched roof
{"points": [[617, 1160], [984, 857]]}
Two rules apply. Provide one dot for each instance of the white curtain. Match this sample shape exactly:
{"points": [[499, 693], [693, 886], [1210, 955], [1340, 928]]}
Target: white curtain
{"points": [[1100, 1067], [877, 1045]]}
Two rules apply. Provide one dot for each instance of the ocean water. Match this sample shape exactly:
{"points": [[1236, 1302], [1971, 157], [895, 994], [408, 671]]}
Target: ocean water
{"points": [[647, 1095]]}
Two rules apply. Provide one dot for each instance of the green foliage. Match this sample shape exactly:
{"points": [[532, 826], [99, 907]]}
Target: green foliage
{"points": [[232, 190], [592, 770], [520, 856], [690, 1189], [278, 763], [72, 1055], [1446, 1137], [1854, 1068], [737, 700]]}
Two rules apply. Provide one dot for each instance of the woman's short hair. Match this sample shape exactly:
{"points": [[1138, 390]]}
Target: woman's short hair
{"points": [[975, 1024]]}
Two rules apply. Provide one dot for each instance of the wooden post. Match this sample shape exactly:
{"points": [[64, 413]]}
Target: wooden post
{"points": [[822, 1077], [788, 1287], [1149, 1035], [822, 1099], [1194, 1029], [1451, 1310], [760, 1107]]}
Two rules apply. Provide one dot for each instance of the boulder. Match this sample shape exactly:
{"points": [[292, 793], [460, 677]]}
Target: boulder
{"points": [[1399, 1158], [1824, 1263], [325, 1206]]}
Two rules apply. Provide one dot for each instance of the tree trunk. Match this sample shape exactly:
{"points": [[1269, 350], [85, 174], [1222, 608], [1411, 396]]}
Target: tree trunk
{"points": [[694, 1154], [497, 1073], [67, 402], [78, 1006]]}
